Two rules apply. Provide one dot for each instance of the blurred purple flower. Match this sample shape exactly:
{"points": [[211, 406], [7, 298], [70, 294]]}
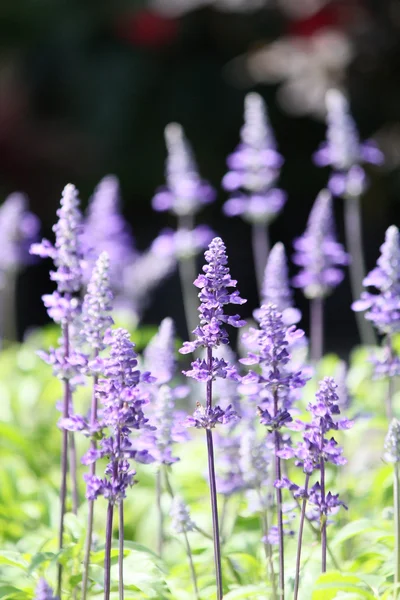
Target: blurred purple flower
{"points": [[383, 309], [343, 149], [105, 230], [254, 168], [19, 229], [43, 591], [318, 253], [122, 413], [185, 192], [183, 243]]}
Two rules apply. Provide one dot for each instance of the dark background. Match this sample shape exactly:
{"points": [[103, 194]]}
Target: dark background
{"points": [[87, 87]]}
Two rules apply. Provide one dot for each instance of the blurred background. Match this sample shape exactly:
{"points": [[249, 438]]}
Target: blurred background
{"points": [[87, 88]]}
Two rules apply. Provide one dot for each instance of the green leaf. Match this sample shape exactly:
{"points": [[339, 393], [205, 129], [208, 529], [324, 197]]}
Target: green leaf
{"points": [[330, 584], [13, 559], [247, 591]]}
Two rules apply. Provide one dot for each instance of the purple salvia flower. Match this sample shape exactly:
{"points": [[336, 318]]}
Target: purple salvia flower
{"points": [[254, 168], [105, 230], [183, 243], [159, 355], [97, 305], [214, 295], [66, 252], [168, 428], [185, 192], [276, 288], [142, 276], [343, 149], [180, 516], [272, 339], [122, 401], [43, 591], [383, 309], [318, 253], [392, 443], [19, 229]]}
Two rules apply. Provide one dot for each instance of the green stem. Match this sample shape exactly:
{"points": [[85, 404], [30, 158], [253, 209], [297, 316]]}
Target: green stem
{"points": [[396, 505]]}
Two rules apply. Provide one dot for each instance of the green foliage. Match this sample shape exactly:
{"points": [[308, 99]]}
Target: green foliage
{"points": [[361, 539]]}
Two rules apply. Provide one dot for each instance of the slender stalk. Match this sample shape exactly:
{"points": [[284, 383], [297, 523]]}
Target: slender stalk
{"points": [[323, 518], [9, 316], [353, 230], [107, 554], [278, 475], [160, 540], [396, 505], [317, 328], [121, 551], [267, 545], [73, 472], [300, 539], [223, 517], [89, 528], [261, 247], [187, 275], [191, 566], [213, 488], [64, 459], [317, 536], [390, 389]]}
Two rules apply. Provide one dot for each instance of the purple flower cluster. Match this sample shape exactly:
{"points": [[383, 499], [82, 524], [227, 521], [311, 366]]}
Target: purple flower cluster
{"points": [[318, 253], [276, 289], [343, 149], [183, 243], [316, 449], [105, 230], [97, 305], [214, 295], [122, 412], [254, 168], [19, 229], [383, 309], [276, 376], [44, 591], [185, 192], [392, 443]]}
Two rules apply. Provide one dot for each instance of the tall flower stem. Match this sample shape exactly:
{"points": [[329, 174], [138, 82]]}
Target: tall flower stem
{"points": [[353, 229], [261, 248], [73, 472], [191, 566], [107, 551], [390, 388], [300, 539], [267, 545], [89, 528], [64, 458], [121, 551], [213, 488], [396, 505], [317, 328], [278, 475], [160, 540], [187, 274], [323, 518]]}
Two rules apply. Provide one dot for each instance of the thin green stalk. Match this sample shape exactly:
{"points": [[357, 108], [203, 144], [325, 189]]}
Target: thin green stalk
{"points": [[261, 247], [353, 230], [191, 566], [396, 505], [73, 468], [267, 545], [160, 540], [121, 551], [187, 275], [300, 539], [316, 328], [89, 528], [64, 459], [279, 509], [107, 551]]}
